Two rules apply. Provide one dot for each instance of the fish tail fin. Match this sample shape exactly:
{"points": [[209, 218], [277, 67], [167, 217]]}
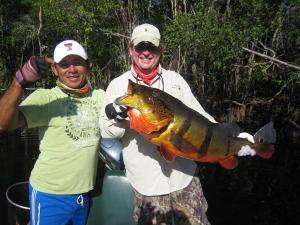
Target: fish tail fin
{"points": [[264, 139]]}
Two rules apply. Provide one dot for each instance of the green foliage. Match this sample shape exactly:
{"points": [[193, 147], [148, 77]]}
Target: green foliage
{"points": [[203, 40], [214, 33], [24, 35], [85, 21], [3, 80]]}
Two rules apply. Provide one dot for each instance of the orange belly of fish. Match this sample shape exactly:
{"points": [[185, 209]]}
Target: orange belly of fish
{"points": [[141, 124]]}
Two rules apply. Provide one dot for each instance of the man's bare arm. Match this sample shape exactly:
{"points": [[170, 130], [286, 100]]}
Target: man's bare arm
{"points": [[10, 117]]}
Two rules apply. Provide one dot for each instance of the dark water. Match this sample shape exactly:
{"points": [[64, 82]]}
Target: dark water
{"points": [[258, 191], [18, 151]]}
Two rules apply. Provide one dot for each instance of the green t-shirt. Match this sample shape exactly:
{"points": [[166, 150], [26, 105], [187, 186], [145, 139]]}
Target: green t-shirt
{"points": [[69, 138]]}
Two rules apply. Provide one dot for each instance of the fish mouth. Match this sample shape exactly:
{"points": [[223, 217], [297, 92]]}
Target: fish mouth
{"points": [[122, 100]]}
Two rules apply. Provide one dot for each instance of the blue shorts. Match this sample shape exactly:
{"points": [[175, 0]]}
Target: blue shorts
{"points": [[50, 209]]}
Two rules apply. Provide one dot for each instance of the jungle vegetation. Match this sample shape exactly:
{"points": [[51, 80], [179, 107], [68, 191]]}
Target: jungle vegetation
{"points": [[243, 53], [227, 49]]}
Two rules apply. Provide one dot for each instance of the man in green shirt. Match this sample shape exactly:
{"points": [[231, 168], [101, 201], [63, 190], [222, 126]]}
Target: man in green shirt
{"points": [[67, 119]]}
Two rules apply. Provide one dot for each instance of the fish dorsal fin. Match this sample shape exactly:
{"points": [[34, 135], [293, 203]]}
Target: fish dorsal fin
{"points": [[131, 87], [140, 124], [229, 163], [164, 152]]}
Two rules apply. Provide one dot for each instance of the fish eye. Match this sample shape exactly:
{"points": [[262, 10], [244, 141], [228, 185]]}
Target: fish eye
{"points": [[151, 99], [260, 140]]}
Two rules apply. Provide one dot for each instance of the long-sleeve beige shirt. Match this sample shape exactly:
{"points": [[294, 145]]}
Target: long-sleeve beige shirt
{"points": [[148, 172]]}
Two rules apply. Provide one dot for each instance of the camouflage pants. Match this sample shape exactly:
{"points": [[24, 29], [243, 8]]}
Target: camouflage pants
{"points": [[184, 207]]}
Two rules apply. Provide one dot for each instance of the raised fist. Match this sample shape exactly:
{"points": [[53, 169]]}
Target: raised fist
{"points": [[34, 69]]}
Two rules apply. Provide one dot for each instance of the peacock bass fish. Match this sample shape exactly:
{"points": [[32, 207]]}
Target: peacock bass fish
{"points": [[178, 130]]}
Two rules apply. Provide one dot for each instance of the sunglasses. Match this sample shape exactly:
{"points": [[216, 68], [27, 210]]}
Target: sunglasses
{"points": [[67, 64], [146, 46]]}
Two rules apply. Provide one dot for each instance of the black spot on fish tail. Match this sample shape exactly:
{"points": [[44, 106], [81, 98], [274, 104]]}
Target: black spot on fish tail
{"points": [[177, 139], [206, 142], [232, 130]]}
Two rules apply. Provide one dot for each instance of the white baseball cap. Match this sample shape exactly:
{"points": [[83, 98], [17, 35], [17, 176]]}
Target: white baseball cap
{"points": [[145, 33], [68, 47]]}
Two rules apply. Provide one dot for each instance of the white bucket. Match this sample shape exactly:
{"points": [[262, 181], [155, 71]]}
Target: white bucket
{"points": [[18, 203]]}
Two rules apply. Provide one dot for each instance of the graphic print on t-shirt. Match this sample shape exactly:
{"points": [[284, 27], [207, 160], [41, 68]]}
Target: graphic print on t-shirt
{"points": [[82, 122]]}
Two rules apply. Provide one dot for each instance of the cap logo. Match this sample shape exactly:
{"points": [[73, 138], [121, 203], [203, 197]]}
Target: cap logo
{"points": [[68, 46], [146, 29]]}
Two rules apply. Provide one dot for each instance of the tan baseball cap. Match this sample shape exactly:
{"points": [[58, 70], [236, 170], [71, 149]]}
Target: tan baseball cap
{"points": [[145, 33], [68, 47]]}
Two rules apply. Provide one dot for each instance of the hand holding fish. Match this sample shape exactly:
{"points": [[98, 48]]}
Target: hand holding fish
{"points": [[114, 111], [180, 131]]}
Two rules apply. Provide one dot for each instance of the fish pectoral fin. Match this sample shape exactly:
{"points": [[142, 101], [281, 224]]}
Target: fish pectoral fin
{"points": [[164, 152], [229, 163], [267, 152], [161, 124]]}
